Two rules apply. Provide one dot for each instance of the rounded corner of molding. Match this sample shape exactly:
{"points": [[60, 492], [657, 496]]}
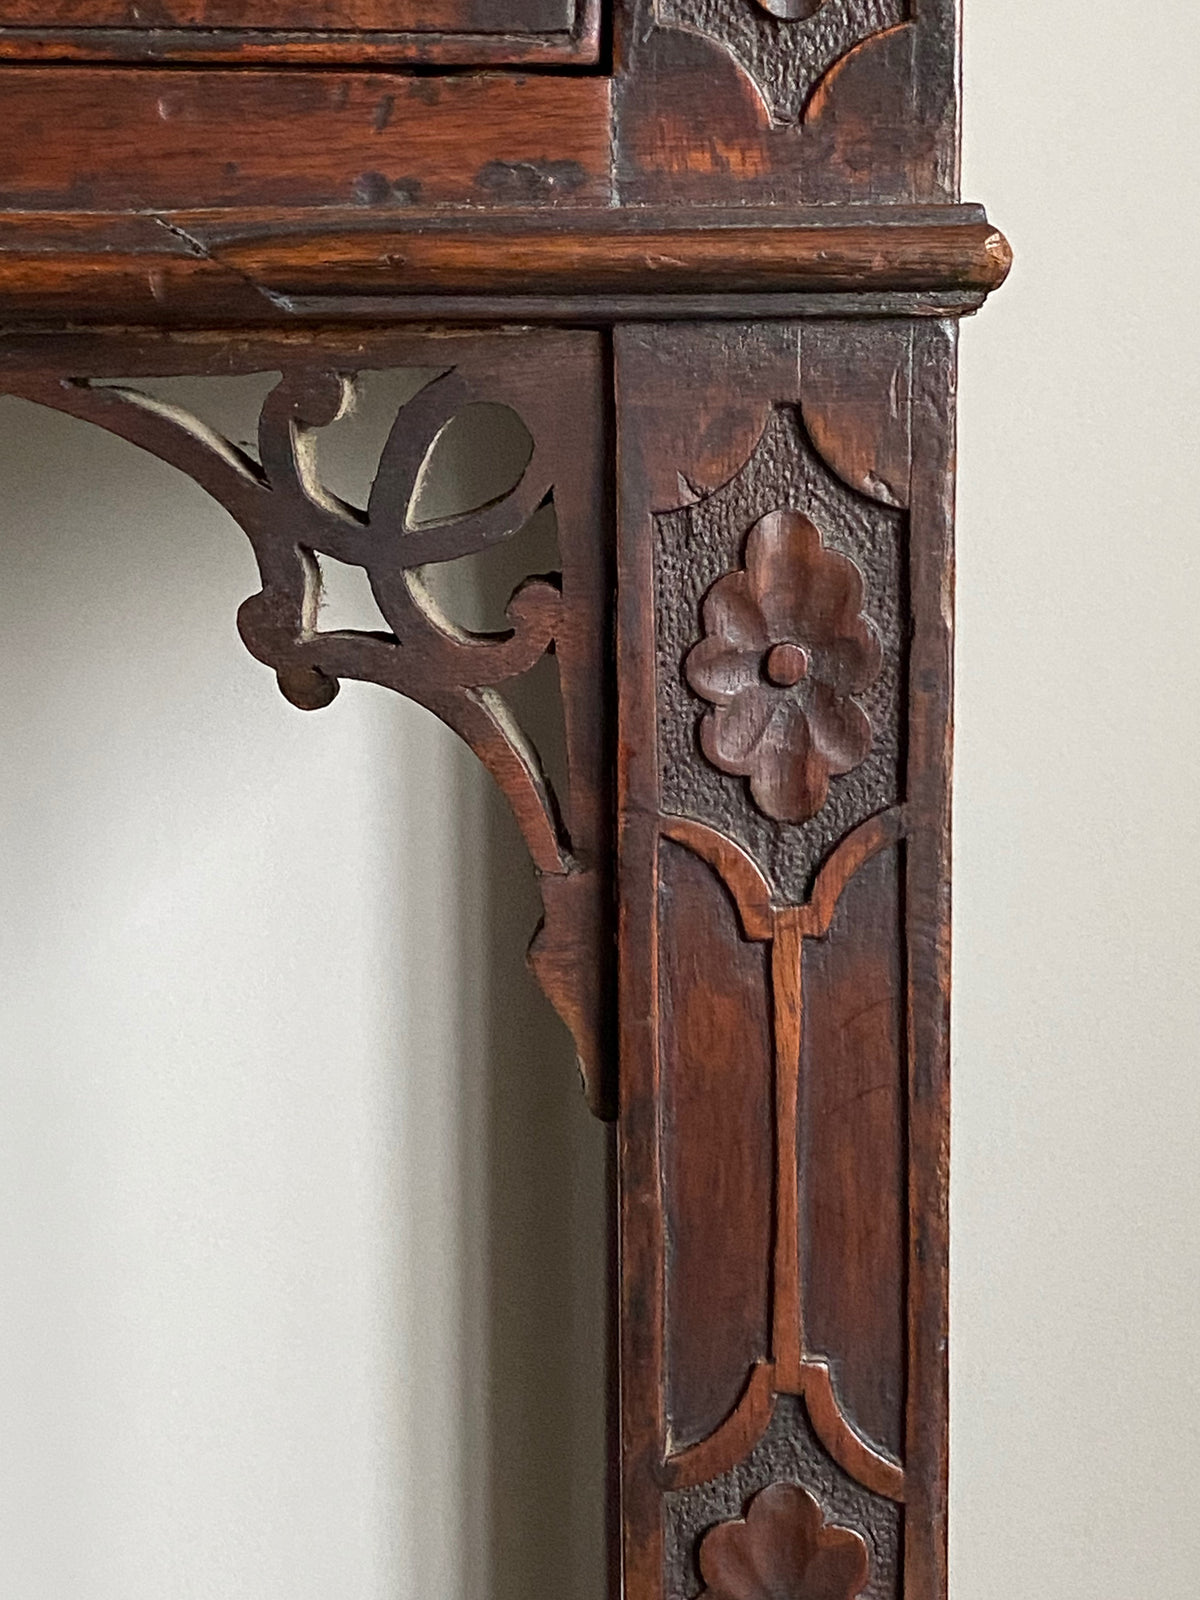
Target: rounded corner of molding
{"points": [[1000, 253]]}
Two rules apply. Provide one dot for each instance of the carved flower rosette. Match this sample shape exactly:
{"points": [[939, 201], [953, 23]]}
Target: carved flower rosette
{"points": [[784, 1550], [786, 649]]}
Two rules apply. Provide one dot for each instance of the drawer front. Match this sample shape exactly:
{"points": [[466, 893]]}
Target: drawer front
{"points": [[401, 32]]}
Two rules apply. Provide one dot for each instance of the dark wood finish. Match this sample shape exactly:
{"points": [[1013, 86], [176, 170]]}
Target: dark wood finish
{"points": [[743, 216], [783, 1547], [259, 196], [427, 33], [616, 254], [852, 1153], [558, 267], [716, 1098], [722, 104], [218, 139], [753, 555]]}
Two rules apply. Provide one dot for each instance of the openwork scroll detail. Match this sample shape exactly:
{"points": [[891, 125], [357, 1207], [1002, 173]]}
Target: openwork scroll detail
{"points": [[783, 1548], [786, 650], [294, 522], [786, 47]]}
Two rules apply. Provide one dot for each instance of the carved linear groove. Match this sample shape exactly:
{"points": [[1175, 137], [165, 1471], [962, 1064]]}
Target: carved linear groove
{"points": [[832, 754], [785, 47], [785, 1083]]}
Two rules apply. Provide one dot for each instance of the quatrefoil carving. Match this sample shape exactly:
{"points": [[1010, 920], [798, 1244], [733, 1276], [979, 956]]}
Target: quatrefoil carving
{"points": [[786, 650]]}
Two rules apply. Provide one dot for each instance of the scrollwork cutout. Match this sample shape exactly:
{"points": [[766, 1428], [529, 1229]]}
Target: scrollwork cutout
{"points": [[294, 521]]}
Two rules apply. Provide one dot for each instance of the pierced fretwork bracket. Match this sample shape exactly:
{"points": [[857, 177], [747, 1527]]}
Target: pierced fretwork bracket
{"points": [[553, 382]]}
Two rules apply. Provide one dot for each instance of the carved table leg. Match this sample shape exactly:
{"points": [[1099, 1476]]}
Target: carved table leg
{"points": [[784, 669], [783, 687]]}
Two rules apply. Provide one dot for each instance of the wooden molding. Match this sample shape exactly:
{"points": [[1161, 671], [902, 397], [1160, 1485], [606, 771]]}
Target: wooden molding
{"points": [[605, 255], [200, 268]]}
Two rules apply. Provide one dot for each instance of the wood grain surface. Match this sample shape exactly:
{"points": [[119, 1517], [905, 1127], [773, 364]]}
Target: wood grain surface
{"points": [[855, 918], [563, 263], [428, 33], [155, 140]]}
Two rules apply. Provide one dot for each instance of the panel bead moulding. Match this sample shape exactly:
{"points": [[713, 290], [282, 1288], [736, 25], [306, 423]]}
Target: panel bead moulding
{"points": [[426, 33], [712, 256]]}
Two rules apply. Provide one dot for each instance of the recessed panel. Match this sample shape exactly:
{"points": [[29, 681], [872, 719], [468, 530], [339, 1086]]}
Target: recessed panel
{"points": [[716, 1067], [853, 1148]]}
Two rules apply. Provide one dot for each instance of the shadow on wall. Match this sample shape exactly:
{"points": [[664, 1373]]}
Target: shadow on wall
{"points": [[305, 1216]]}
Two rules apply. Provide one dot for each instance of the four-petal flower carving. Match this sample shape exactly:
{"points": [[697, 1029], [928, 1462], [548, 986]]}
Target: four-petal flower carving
{"points": [[786, 648], [784, 1550]]}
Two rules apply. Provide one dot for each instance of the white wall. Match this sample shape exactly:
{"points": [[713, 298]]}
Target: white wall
{"points": [[1077, 1094], [301, 1212], [281, 1110]]}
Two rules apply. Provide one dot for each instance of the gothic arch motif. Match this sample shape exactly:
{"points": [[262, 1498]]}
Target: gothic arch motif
{"points": [[786, 47], [275, 493]]}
